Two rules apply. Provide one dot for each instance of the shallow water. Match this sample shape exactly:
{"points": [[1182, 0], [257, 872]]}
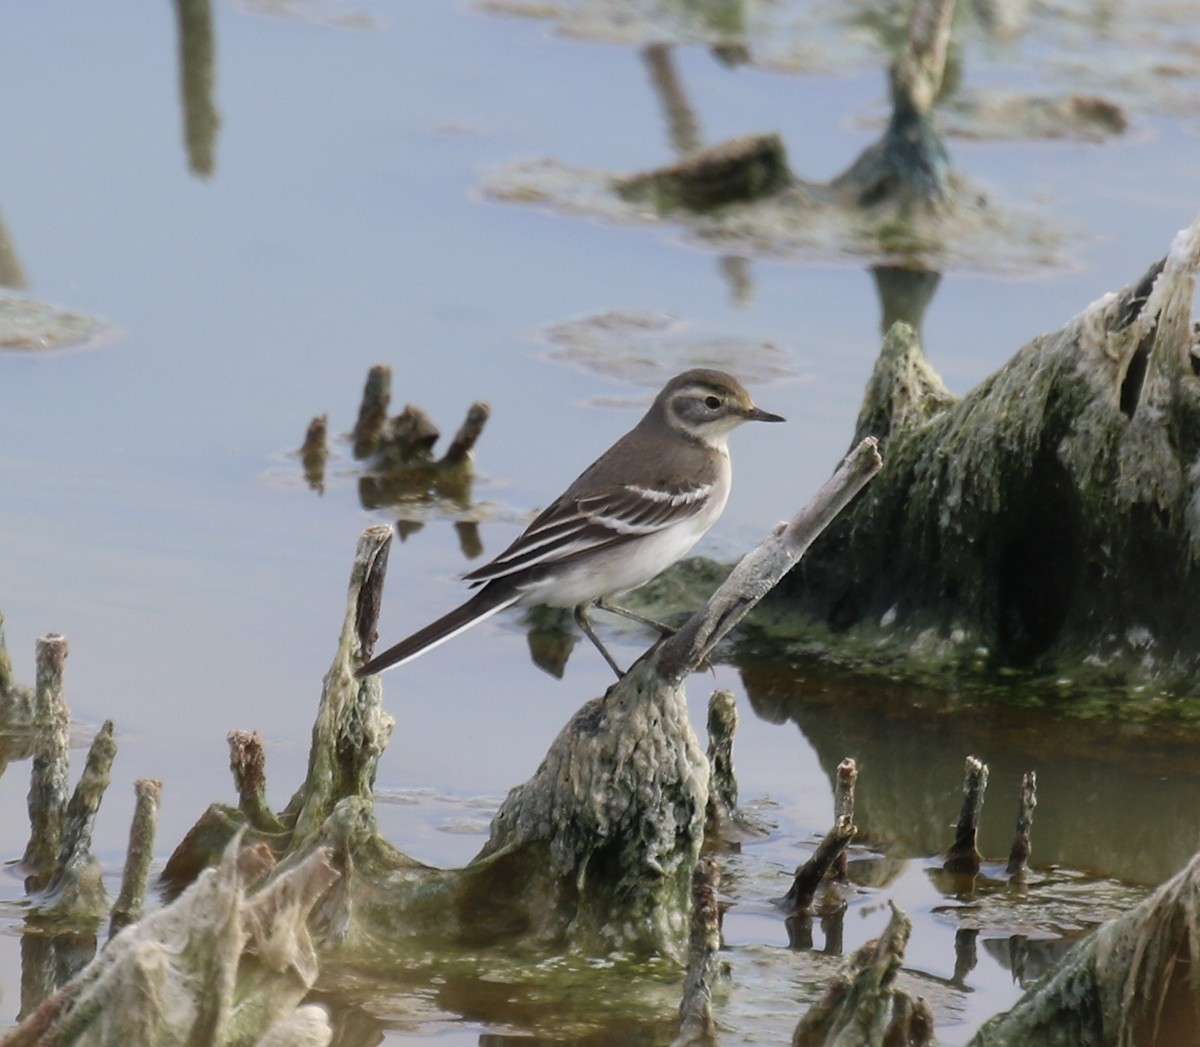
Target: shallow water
{"points": [[339, 217]]}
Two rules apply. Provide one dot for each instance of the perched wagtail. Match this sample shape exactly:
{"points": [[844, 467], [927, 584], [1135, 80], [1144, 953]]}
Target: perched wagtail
{"points": [[632, 513]]}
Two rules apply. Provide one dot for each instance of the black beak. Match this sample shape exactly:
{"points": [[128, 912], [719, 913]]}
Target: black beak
{"points": [[757, 414]]}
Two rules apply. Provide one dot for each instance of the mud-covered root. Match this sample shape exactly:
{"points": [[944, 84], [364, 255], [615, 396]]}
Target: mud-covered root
{"points": [[1045, 522], [615, 816], [372, 411], [722, 782], [696, 1025], [823, 863], [248, 764], [220, 966], [1135, 982], [50, 725], [863, 1007], [598, 847], [464, 440], [350, 732], [75, 891], [843, 808], [741, 169], [15, 700], [131, 901], [352, 728]]}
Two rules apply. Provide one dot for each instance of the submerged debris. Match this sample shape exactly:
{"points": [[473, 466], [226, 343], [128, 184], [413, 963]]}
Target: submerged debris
{"points": [[1132, 982], [900, 202], [746, 168], [863, 1006], [400, 469], [314, 452], [33, 326]]}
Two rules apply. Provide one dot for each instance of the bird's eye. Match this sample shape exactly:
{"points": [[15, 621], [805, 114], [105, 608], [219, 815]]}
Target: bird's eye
{"points": [[712, 402]]}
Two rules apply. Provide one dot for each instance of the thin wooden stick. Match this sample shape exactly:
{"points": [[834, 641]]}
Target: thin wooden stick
{"points": [[963, 855], [1022, 847]]}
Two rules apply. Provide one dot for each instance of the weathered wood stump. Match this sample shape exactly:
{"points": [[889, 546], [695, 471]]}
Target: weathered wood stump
{"points": [[1046, 521]]}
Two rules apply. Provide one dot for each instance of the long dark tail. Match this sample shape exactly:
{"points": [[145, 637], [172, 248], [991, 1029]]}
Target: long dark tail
{"points": [[482, 605]]}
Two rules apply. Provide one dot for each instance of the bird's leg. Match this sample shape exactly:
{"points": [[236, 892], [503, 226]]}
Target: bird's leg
{"points": [[581, 617], [604, 605]]}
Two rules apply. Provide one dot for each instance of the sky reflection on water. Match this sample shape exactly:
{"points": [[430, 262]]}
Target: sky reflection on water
{"points": [[337, 218]]}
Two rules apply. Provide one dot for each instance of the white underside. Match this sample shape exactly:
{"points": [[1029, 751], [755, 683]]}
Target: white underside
{"points": [[625, 566]]}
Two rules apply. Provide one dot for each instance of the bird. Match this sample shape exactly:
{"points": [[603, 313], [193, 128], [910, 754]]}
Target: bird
{"points": [[636, 510]]}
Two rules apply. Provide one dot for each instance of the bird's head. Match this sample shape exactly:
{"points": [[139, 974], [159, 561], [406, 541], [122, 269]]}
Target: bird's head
{"points": [[708, 405]]}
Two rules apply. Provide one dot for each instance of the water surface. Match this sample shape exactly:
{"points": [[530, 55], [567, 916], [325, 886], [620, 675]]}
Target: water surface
{"points": [[338, 217]]}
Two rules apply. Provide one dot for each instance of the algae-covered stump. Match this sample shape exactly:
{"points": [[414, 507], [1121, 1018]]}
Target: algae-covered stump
{"points": [[1046, 521]]}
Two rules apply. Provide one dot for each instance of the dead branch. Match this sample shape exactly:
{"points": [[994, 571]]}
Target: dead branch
{"points": [[963, 855], [696, 1025], [1018, 856], [722, 783], [372, 411], [48, 777], [760, 570], [131, 901], [863, 1006]]}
